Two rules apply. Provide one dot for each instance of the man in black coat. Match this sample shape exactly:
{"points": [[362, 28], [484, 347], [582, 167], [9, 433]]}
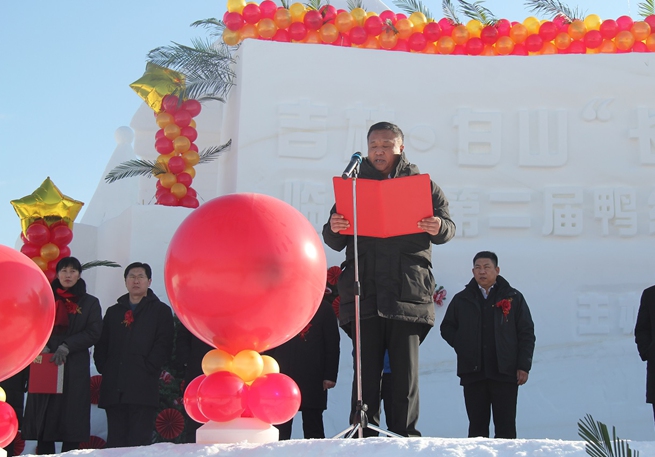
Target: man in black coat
{"points": [[311, 359], [136, 342], [645, 339], [396, 305], [490, 327]]}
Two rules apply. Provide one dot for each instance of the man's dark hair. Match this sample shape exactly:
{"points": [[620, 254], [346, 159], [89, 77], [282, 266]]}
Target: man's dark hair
{"points": [[69, 262], [486, 255], [386, 126], [145, 266]]}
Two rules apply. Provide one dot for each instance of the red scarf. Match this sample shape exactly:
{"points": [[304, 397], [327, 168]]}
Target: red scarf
{"points": [[66, 304]]}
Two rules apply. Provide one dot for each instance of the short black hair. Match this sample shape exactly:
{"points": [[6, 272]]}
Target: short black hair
{"points": [[145, 266], [486, 255], [386, 126], [69, 262]]}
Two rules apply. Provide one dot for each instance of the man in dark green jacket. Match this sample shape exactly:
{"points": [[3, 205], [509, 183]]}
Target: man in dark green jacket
{"points": [[490, 327], [396, 304]]}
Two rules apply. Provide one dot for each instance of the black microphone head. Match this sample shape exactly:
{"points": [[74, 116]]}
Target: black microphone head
{"points": [[358, 156]]}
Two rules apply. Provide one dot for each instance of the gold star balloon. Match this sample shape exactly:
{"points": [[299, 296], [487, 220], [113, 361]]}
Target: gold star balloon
{"points": [[48, 203], [156, 83]]}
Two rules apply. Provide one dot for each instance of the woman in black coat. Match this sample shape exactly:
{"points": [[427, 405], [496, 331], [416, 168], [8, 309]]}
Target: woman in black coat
{"points": [[66, 417], [645, 339]]}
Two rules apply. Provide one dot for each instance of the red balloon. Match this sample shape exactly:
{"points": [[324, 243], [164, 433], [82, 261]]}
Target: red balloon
{"points": [[176, 165], [503, 26], [189, 201], [282, 36], [169, 103], [489, 34], [164, 146], [624, 23], [328, 12], [313, 20], [193, 147], [519, 50], [650, 20], [38, 234], [251, 13], [31, 250], [388, 15], [64, 251], [159, 134], [609, 28], [50, 274], [267, 8], [222, 396], [274, 398], [184, 178], [474, 46], [191, 191], [183, 117], [446, 26], [593, 39], [534, 43], [577, 47], [61, 235], [191, 400], [8, 424], [432, 31], [193, 106], [401, 45], [232, 265], [27, 304], [373, 25], [189, 132], [548, 31], [297, 31], [167, 199], [640, 46], [358, 35], [417, 41], [343, 40], [234, 21]]}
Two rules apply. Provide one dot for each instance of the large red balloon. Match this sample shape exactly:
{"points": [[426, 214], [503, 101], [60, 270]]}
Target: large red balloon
{"points": [[274, 398], [8, 424], [191, 400], [221, 396], [245, 271], [27, 307]]}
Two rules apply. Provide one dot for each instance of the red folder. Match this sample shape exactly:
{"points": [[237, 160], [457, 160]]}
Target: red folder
{"points": [[45, 376], [385, 208]]}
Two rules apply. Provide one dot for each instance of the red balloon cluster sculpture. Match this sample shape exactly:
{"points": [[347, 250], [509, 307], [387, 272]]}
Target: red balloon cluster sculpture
{"points": [[174, 141], [398, 32], [47, 245], [244, 273]]}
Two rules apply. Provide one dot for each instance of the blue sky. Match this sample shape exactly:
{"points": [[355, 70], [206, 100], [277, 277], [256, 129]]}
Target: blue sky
{"points": [[65, 70]]}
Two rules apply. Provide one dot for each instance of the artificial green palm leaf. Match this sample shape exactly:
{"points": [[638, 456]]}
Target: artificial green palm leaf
{"points": [[99, 263], [647, 8], [206, 66], [352, 4], [136, 167], [554, 8], [209, 154], [598, 440], [449, 12], [412, 6], [478, 12], [315, 4], [215, 26]]}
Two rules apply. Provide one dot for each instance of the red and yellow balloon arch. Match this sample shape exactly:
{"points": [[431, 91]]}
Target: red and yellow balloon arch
{"points": [[396, 31]]}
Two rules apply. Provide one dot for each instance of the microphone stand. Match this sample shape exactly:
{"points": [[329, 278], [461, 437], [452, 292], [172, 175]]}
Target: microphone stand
{"points": [[360, 419]]}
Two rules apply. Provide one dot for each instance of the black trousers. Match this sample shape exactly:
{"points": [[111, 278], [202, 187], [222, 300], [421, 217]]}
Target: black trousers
{"points": [[312, 425], [402, 340], [130, 425], [483, 397]]}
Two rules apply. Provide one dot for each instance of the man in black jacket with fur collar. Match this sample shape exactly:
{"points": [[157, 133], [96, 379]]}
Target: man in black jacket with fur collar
{"points": [[490, 327]]}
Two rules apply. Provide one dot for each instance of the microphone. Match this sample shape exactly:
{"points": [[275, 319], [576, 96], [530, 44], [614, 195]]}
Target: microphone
{"points": [[355, 160]]}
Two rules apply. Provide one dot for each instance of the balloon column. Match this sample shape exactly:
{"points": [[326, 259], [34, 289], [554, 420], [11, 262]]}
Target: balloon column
{"points": [[244, 273], [174, 140], [398, 32], [47, 218], [28, 313]]}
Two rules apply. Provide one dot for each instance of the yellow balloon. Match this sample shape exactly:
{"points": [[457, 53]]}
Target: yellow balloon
{"points": [[191, 158], [248, 365], [370, 13], [49, 251], [405, 29], [3, 395], [460, 34], [592, 22], [163, 119], [419, 20], [191, 171], [235, 6], [387, 39], [167, 180], [504, 45], [270, 365], [297, 11], [231, 37], [192, 123], [249, 31], [474, 27], [178, 189], [577, 29], [532, 24], [359, 15], [640, 30], [216, 360], [266, 28]]}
